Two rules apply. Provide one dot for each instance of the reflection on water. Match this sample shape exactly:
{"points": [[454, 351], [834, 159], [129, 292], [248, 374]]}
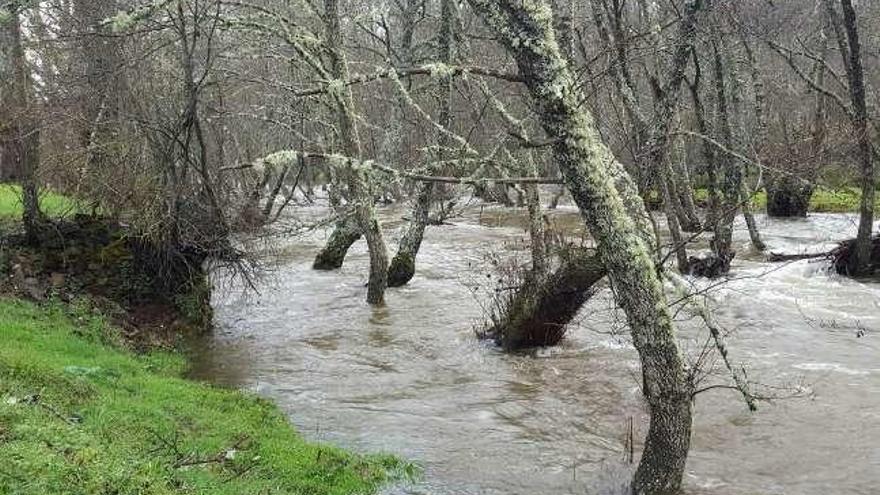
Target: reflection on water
{"points": [[411, 379]]}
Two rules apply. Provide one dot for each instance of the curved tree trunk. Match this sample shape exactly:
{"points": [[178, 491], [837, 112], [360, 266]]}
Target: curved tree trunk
{"points": [[538, 313], [345, 233], [588, 167], [403, 265]]}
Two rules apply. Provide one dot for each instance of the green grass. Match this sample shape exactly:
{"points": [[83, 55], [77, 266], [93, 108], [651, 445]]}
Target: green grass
{"points": [[79, 415], [824, 200], [839, 200], [52, 204]]}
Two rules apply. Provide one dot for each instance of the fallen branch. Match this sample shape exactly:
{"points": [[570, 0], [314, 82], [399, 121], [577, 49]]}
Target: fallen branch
{"points": [[839, 257], [782, 257]]}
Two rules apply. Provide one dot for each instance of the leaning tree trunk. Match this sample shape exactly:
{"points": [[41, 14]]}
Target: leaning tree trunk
{"points": [[589, 168], [345, 233], [403, 265], [538, 313]]}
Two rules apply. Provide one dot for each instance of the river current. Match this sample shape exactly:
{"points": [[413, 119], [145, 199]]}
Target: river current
{"points": [[411, 378]]}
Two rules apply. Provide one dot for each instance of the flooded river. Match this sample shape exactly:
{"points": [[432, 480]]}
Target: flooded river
{"points": [[411, 379]]}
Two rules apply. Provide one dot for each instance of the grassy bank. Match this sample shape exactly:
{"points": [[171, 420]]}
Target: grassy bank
{"points": [[824, 200], [80, 415], [52, 204]]}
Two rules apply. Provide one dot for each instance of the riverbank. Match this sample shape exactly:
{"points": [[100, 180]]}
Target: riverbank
{"points": [[92, 394], [80, 414], [823, 200]]}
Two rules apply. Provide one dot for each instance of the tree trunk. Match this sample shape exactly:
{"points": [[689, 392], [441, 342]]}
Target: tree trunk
{"points": [[563, 16], [740, 139], [751, 225], [359, 184], [684, 188], [731, 172], [19, 131], [537, 233], [537, 314], [345, 233], [403, 265], [709, 155], [99, 94], [860, 263], [672, 220], [588, 168]]}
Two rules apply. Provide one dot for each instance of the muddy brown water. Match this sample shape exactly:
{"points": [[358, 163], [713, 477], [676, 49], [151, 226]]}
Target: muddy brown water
{"points": [[412, 380]]}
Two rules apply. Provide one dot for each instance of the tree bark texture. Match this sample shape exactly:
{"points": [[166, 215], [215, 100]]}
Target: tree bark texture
{"points": [[589, 170]]}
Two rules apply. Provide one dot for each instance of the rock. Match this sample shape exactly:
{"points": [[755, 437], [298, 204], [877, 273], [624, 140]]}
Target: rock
{"points": [[56, 280], [33, 288]]}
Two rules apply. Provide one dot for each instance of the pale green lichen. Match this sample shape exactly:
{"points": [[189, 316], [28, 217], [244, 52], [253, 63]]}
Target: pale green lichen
{"points": [[125, 20], [337, 161], [5, 15], [440, 70], [336, 87], [274, 161], [362, 166], [121, 22]]}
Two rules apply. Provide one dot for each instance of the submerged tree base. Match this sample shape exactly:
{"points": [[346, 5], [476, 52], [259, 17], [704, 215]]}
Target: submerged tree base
{"points": [[332, 256], [401, 270], [538, 312], [709, 266]]}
